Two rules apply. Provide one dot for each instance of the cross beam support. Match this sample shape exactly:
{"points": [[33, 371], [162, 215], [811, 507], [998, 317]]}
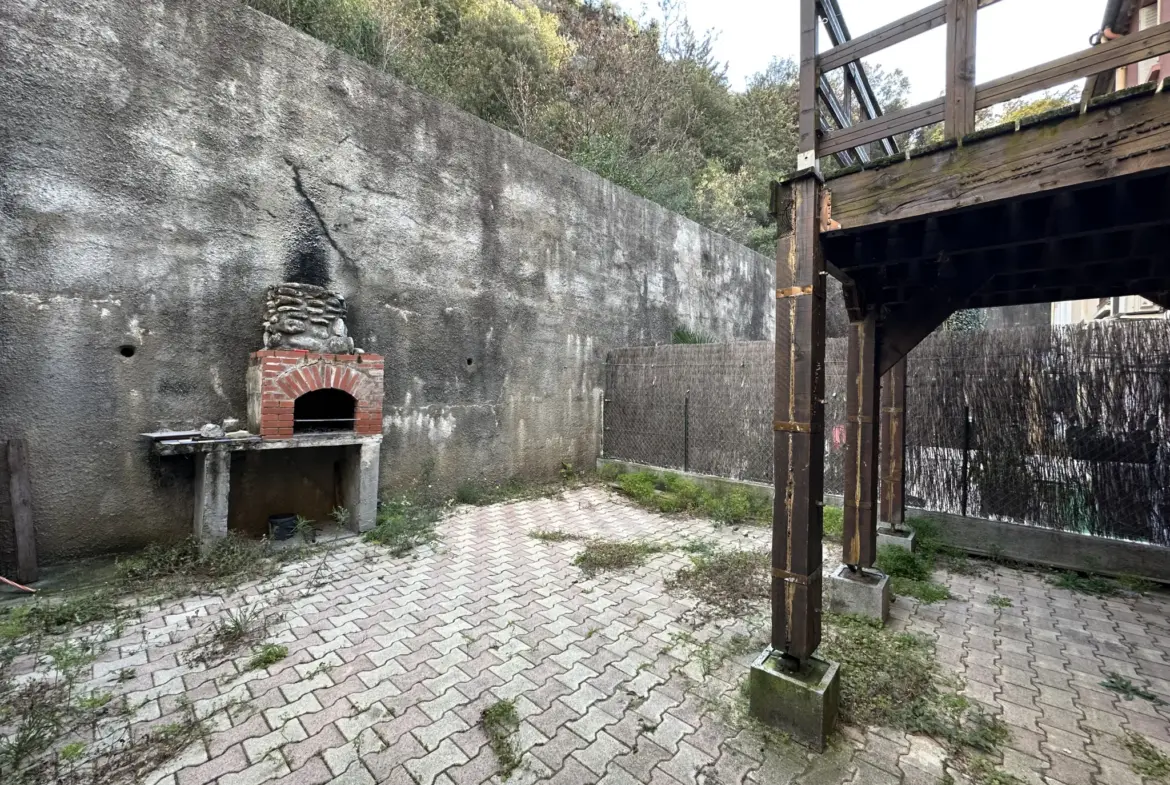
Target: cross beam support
{"points": [[799, 440], [861, 443]]}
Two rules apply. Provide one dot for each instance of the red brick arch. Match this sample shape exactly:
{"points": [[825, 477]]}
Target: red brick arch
{"points": [[276, 378]]}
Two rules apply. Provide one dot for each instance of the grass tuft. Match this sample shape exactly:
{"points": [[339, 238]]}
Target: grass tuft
{"points": [[1148, 760], [834, 523], [728, 583], [604, 555], [983, 772], [1129, 690], [268, 654], [1084, 583], [554, 535], [893, 679], [910, 573], [405, 524], [670, 493], [501, 724], [999, 601]]}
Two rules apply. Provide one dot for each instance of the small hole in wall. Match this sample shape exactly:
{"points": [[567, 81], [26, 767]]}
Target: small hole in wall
{"points": [[126, 350], [470, 361]]}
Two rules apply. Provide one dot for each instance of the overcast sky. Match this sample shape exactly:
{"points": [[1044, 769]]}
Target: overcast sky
{"points": [[1013, 35]]}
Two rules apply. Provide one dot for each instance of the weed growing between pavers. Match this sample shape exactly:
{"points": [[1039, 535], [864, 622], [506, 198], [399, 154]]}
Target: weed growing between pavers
{"points": [[1129, 690], [405, 524], [605, 555], [53, 617], [982, 771], [242, 627], [893, 679], [670, 493], [729, 584], [998, 601], [1148, 760], [911, 572], [555, 535], [268, 654], [501, 724]]}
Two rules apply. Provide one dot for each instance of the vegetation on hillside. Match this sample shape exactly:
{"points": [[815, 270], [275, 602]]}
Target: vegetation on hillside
{"points": [[644, 105]]}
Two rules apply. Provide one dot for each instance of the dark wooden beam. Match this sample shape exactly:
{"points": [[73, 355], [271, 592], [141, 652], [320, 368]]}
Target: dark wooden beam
{"points": [[887, 125], [799, 419], [24, 533], [1159, 298], [1118, 53], [1114, 140], [807, 90], [959, 116], [861, 444], [1058, 292], [892, 508], [907, 325], [884, 37]]}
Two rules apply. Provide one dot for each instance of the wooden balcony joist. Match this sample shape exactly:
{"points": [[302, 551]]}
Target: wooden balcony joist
{"points": [[1120, 135]]}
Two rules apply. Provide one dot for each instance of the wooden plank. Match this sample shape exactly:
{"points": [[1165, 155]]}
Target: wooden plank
{"points": [[887, 125], [884, 37], [807, 145], [799, 416], [959, 115], [907, 325], [859, 546], [1128, 49], [1117, 139], [892, 508], [160, 435], [25, 536]]}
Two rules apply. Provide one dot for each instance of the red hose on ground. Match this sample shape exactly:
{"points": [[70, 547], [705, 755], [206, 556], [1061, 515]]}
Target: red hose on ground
{"points": [[17, 585]]}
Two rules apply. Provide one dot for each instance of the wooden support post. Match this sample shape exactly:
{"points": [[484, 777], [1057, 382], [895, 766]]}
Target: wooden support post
{"points": [[799, 440], [893, 446], [959, 113], [806, 150], [861, 444], [25, 535]]}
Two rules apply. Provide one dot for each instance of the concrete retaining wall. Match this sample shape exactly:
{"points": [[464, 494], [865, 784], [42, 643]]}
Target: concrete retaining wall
{"points": [[163, 161]]}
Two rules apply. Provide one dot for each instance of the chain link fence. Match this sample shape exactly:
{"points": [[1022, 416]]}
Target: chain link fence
{"points": [[1065, 428]]}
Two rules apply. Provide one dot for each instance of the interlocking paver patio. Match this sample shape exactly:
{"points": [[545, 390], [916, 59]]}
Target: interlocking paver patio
{"points": [[392, 660]]}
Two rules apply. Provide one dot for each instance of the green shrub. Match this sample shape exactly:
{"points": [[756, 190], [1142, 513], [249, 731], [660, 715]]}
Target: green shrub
{"points": [[834, 523]]}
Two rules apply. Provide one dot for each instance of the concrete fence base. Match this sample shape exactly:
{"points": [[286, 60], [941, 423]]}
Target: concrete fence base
{"points": [[982, 537]]}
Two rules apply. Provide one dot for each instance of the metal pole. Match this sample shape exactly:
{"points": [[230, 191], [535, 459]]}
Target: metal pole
{"points": [[966, 454], [687, 431]]}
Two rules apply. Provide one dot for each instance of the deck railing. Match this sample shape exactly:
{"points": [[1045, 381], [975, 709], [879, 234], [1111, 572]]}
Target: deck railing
{"points": [[830, 132]]}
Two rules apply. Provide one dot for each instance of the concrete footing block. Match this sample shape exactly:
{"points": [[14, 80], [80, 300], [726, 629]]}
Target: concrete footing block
{"points": [[801, 703], [862, 593], [899, 538]]}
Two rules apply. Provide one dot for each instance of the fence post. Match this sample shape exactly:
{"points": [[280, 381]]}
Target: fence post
{"points": [[687, 431], [966, 454]]}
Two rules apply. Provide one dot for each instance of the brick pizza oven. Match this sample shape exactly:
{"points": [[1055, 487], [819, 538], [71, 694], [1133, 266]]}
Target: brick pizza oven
{"points": [[296, 391]]}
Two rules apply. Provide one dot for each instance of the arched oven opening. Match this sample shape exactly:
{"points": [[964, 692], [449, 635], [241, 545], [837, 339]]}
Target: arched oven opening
{"points": [[324, 410]]}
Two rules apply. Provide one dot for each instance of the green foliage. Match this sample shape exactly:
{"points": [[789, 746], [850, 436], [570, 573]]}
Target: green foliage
{"points": [[686, 335], [893, 679], [501, 723], [670, 493], [901, 563], [1148, 760], [1129, 690], [911, 572], [268, 654], [1083, 583], [984, 772], [605, 555], [644, 105], [924, 591], [997, 601], [834, 523], [55, 617], [230, 561], [404, 524]]}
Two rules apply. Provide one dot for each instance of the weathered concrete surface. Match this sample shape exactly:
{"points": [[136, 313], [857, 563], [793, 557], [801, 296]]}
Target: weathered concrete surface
{"points": [[859, 594], [162, 162]]}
